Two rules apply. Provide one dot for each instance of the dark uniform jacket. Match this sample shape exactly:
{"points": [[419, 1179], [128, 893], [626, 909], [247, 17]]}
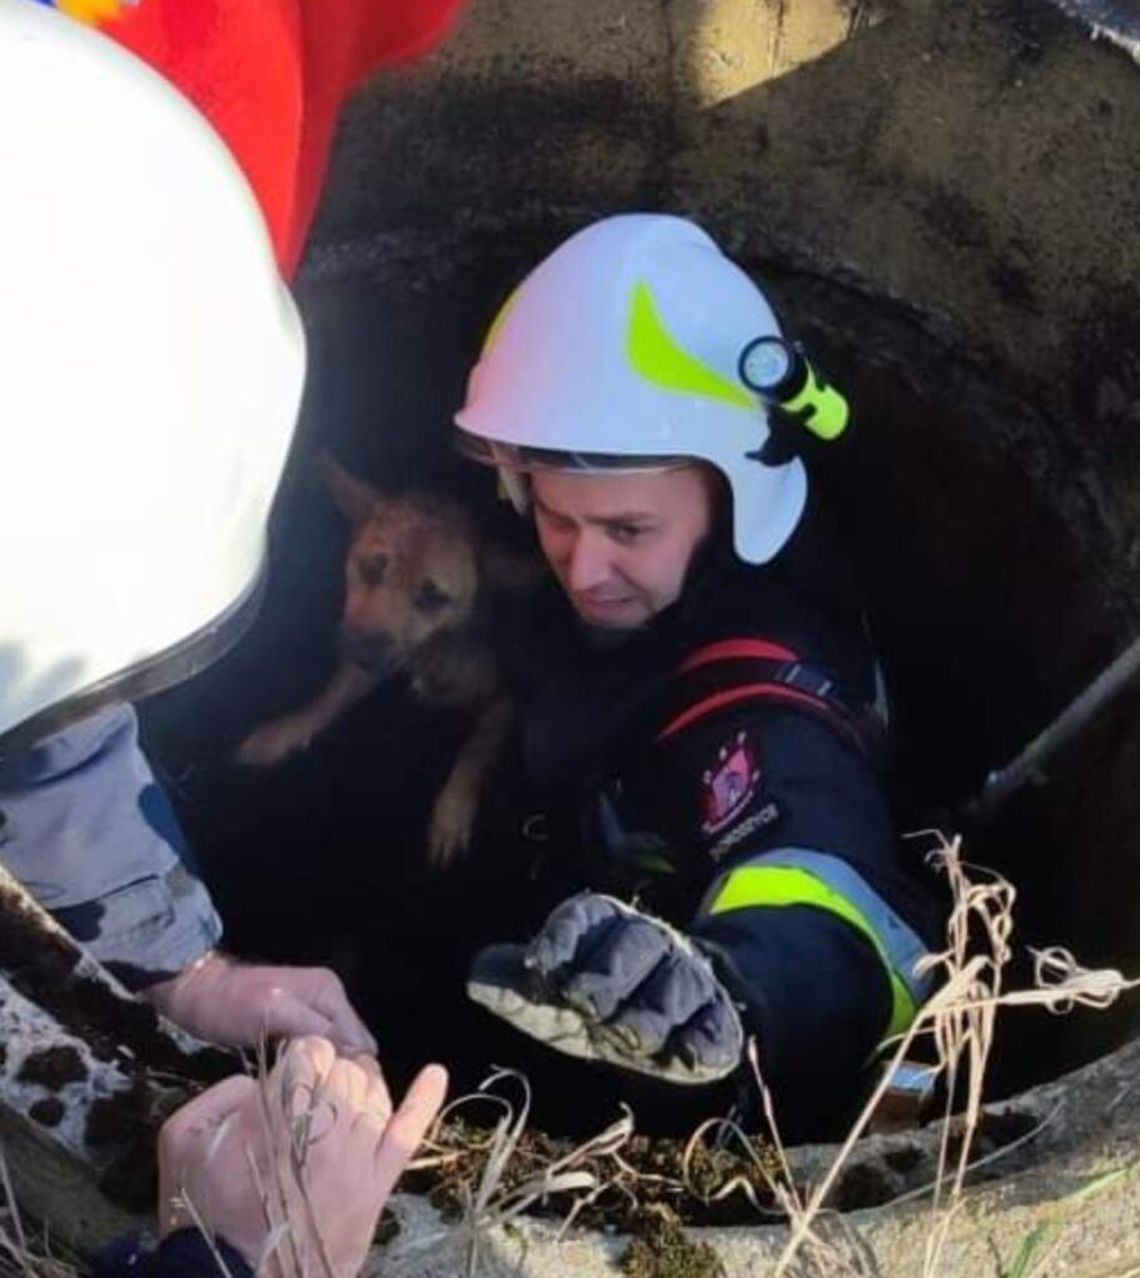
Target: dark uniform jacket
{"points": [[723, 767], [186, 1253]]}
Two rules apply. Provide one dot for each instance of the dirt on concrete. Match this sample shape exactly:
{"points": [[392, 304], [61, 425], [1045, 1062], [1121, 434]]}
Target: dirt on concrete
{"points": [[661, 1248], [650, 1183]]}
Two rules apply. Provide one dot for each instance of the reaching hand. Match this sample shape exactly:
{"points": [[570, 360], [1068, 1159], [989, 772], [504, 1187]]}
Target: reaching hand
{"points": [[235, 1005], [299, 1165], [606, 982]]}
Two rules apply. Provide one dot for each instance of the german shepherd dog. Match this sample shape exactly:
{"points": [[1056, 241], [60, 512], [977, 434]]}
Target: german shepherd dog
{"points": [[416, 577]]}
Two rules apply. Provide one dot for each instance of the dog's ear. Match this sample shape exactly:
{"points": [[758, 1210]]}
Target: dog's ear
{"points": [[507, 569], [356, 498]]}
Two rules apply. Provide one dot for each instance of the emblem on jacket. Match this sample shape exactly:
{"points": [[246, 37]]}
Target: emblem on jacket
{"points": [[728, 787]]}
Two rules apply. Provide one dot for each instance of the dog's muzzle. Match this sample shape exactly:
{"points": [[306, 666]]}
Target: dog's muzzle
{"points": [[375, 653]]}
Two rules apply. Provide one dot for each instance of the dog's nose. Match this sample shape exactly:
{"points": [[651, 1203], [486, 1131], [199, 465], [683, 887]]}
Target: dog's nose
{"points": [[372, 652]]}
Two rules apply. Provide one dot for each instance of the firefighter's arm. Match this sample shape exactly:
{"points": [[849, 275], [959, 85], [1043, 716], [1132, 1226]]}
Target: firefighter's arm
{"points": [[812, 993], [606, 982], [798, 847], [790, 939], [91, 834]]}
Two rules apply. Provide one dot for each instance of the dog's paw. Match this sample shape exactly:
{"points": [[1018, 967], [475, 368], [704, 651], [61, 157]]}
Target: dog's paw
{"points": [[273, 742], [452, 823]]}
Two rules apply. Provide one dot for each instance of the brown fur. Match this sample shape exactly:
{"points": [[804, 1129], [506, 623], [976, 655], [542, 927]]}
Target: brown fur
{"points": [[415, 577]]}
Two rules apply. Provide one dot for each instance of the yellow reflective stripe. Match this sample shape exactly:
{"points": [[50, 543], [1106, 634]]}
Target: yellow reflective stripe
{"points": [[500, 319], [657, 357], [781, 885]]}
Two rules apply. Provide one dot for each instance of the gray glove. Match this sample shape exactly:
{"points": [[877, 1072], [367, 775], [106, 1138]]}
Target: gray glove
{"points": [[605, 982]]}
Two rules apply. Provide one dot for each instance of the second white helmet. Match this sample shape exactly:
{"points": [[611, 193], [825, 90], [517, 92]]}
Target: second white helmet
{"points": [[151, 365], [620, 351]]}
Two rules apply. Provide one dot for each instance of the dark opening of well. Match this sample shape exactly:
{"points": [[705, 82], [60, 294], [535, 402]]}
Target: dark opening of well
{"points": [[988, 608]]}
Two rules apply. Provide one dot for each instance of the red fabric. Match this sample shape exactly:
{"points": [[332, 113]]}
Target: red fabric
{"points": [[730, 649], [746, 692], [272, 75]]}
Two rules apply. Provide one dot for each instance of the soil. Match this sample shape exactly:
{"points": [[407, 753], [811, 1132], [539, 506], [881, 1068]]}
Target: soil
{"points": [[42, 966], [650, 1184], [48, 1112], [127, 1123], [45, 968], [662, 1249], [54, 1068]]}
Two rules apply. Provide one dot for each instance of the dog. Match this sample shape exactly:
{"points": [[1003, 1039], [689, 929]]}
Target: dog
{"points": [[417, 576]]}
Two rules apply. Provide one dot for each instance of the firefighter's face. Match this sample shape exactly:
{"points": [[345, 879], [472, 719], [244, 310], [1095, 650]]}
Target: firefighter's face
{"points": [[621, 545]]}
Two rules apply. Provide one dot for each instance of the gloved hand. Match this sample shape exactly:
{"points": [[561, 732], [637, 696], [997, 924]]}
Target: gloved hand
{"points": [[315, 1145], [605, 982], [234, 1005]]}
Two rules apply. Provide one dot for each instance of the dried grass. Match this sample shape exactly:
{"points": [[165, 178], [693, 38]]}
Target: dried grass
{"points": [[505, 1188], [502, 1181], [24, 1254], [958, 1021], [294, 1246]]}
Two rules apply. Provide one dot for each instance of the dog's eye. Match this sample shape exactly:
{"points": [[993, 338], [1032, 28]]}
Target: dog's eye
{"points": [[372, 569], [430, 598]]}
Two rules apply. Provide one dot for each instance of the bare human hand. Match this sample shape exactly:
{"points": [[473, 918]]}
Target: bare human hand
{"points": [[294, 1171], [239, 1005]]}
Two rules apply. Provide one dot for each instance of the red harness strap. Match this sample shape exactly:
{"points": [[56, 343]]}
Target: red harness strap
{"points": [[775, 676], [732, 649]]}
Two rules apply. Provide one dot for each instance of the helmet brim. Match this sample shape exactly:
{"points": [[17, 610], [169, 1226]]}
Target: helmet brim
{"points": [[155, 674], [525, 460]]}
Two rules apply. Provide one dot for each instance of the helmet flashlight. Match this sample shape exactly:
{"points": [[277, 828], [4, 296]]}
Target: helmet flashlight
{"points": [[780, 374]]}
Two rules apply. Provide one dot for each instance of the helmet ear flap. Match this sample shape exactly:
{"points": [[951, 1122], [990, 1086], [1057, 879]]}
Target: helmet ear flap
{"points": [[515, 488], [784, 440]]}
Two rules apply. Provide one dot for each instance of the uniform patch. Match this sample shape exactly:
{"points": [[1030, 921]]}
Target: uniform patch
{"points": [[768, 815], [728, 787]]}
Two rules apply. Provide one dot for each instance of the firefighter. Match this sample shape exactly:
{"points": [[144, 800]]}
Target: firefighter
{"points": [[699, 713], [116, 348], [153, 366], [153, 372]]}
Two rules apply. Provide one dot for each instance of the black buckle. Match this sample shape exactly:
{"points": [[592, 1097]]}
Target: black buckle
{"points": [[806, 679], [535, 828]]}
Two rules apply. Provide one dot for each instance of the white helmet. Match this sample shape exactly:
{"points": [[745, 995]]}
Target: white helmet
{"points": [[151, 365], [621, 351]]}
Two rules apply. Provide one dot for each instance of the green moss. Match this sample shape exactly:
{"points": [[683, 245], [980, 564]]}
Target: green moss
{"points": [[663, 1249]]}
